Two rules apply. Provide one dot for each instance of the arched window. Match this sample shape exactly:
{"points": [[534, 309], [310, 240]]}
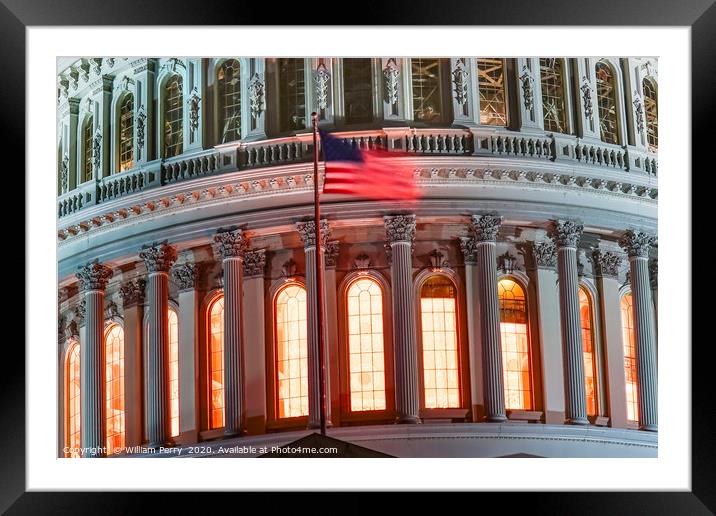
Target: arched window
{"points": [[87, 149], [216, 363], [114, 387], [73, 410], [553, 104], [438, 318], [491, 83], [366, 357], [126, 133], [291, 351], [174, 372], [515, 345], [358, 90], [651, 113], [607, 103], [628, 339], [590, 359], [292, 94], [427, 85], [173, 116], [228, 80]]}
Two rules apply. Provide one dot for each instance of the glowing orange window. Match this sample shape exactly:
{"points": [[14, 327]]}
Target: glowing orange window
{"points": [[515, 345], [73, 400], [590, 364], [366, 357], [174, 372], [216, 362], [629, 358], [438, 317], [292, 352], [114, 387]]}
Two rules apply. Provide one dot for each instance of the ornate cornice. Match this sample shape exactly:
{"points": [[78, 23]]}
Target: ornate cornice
{"points": [[254, 262], [307, 230], [132, 292], [566, 233], [468, 246], [94, 276], [331, 254], [544, 253], [636, 243], [186, 275], [158, 257], [484, 228], [400, 228], [230, 243], [606, 263]]}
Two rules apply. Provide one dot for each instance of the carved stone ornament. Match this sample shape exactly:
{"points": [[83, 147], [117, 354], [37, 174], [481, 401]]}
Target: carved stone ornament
{"points": [[331, 253], [322, 80], [230, 243], [507, 263], [65, 173], [111, 311], [460, 82], [186, 275], [545, 253], [288, 269], [400, 228], [484, 228], [307, 230], [566, 233], [141, 124], [194, 103], [636, 243], [606, 263], [468, 246], [256, 96], [586, 89], [388, 253], [96, 63], [94, 276], [639, 113], [132, 292], [438, 260], [72, 330], [527, 91], [362, 261], [158, 257], [391, 75], [80, 310], [97, 153], [254, 262]]}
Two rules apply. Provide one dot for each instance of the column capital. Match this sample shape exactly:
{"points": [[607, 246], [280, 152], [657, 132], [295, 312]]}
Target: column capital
{"points": [[400, 228], [332, 250], [566, 233], [307, 230], [254, 262], [484, 228], [132, 292], [94, 276], [606, 263], [158, 257], [186, 275], [636, 243], [230, 243], [544, 253], [468, 246]]}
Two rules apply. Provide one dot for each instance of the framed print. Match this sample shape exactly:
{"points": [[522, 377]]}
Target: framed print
{"points": [[358, 243]]}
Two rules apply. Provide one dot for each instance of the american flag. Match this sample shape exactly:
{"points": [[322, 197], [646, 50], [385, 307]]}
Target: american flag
{"points": [[373, 174]]}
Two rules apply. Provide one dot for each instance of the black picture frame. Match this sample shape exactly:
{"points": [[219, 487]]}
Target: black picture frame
{"points": [[700, 15]]}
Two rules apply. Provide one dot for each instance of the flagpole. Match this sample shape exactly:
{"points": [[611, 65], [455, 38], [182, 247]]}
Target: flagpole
{"points": [[319, 277]]}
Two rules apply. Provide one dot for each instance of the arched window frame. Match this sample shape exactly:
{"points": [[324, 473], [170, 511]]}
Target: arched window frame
{"points": [[566, 92], [623, 292], [598, 345], [88, 122], [347, 414], [118, 103], [217, 102], [376, 92], [72, 344], [273, 420], [166, 73], [616, 71], [445, 95], [463, 359], [209, 303], [655, 88], [109, 325]]}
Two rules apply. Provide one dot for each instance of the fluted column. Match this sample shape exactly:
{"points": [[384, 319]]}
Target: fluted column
{"points": [[158, 259], [469, 252], [307, 230], [636, 244], [484, 229], [400, 231], [566, 234], [231, 245], [93, 279]]}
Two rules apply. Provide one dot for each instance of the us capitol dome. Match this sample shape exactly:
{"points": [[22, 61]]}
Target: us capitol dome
{"points": [[511, 311]]}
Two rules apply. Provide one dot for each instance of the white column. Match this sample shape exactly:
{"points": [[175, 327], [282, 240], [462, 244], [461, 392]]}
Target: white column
{"points": [[93, 279], [331, 318], [484, 229], [231, 245], [636, 244], [566, 234], [307, 230], [400, 231], [158, 259], [474, 340]]}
